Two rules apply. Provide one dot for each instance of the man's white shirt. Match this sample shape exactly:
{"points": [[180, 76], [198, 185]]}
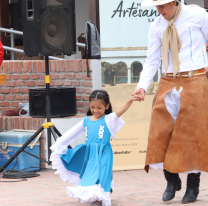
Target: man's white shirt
{"points": [[192, 27]]}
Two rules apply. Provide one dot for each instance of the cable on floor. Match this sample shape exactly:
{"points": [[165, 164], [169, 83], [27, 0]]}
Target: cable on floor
{"points": [[18, 174]]}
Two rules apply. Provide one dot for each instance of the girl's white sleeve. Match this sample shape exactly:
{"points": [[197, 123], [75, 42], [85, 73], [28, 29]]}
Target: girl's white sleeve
{"points": [[114, 123], [62, 143]]}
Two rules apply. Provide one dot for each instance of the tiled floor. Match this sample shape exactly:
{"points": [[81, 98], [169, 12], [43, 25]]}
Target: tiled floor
{"points": [[131, 188]]}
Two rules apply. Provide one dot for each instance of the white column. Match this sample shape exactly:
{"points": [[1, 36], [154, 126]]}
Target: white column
{"points": [[129, 76]]}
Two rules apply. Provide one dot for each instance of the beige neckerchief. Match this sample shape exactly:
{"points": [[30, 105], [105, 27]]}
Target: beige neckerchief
{"points": [[172, 40]]}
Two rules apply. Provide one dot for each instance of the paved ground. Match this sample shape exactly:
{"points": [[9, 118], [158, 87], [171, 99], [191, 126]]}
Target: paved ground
{"points": [[131, 188]]}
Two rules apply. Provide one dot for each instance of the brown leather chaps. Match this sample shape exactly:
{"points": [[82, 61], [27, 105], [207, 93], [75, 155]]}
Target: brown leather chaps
{"points": [[183, 145]]}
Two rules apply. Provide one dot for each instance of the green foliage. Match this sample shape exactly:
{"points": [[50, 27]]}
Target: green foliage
{"points": [[110, 68]]}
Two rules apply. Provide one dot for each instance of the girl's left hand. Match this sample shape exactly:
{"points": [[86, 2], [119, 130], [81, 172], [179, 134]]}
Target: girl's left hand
{"points": [[120, 111], [134, 98]]}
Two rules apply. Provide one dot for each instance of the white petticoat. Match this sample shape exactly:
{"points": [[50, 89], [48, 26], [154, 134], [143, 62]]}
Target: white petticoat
{"points": [[64, 174], [89, 194], [83, 194]]}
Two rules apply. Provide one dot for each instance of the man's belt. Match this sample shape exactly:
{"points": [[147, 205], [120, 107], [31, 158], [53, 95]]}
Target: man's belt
{"points": [[187, 74]]}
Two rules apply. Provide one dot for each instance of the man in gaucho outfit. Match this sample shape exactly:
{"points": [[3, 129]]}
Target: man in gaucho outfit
{"points": [[178, 137]]}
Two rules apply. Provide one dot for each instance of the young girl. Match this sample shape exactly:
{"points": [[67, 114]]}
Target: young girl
{"points": [[89, 166]]}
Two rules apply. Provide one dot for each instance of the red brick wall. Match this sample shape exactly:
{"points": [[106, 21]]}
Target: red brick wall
{"points": [[64, 73]]}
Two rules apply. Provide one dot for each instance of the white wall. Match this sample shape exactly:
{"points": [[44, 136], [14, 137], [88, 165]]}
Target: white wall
{"points": [[197, 2], [82, 16], [96, 74]]}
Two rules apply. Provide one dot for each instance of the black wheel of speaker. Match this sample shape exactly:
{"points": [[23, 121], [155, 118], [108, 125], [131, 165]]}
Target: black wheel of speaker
{"points": [[55, 29]]}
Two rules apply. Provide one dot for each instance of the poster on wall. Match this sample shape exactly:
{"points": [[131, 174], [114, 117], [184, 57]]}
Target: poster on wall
{"points": [[125, 23], [124, 28]]}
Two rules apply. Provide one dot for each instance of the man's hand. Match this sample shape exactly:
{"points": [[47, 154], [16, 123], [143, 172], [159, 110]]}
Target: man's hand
{"points": [[139, 94], [207, 45]]}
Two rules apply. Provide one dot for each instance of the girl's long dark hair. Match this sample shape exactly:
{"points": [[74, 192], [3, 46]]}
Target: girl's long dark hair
{"points": [[103, 96]]}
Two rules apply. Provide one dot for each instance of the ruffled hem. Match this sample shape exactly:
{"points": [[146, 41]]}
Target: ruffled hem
{"points": [[64, 174], [90, 194], [83, 194]]}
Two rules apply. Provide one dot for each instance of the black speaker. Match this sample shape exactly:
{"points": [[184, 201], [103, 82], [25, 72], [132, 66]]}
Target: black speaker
{"points": [[49, 27], [63, 102]]}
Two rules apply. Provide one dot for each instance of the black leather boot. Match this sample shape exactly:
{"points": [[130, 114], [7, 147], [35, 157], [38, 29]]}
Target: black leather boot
{"points": [[192, 189], [173, 185]]}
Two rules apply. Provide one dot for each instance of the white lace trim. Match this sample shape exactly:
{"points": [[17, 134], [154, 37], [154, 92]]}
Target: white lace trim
{"points": [[90, 194], [86, 133], [101, 131], [64, 174]]}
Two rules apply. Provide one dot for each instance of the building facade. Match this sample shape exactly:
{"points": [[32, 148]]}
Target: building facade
{"points": [[11, 12]]}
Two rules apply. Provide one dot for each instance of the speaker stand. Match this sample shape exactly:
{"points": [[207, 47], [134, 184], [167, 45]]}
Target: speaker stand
{"points": [[48, 125]]}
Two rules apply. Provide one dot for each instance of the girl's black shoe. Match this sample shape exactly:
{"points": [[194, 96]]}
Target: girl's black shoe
{"points": [[96, 203]]}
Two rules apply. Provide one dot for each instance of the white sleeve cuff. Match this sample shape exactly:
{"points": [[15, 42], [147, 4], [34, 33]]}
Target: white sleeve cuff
{"points": [[143, 85], [114, 123], [62, 143]]}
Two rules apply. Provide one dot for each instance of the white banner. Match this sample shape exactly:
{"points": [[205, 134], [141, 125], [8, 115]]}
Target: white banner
{"points": [[125, 23]]}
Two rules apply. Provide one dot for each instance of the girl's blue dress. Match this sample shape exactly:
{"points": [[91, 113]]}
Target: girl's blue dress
{"points": [[89, 166]]}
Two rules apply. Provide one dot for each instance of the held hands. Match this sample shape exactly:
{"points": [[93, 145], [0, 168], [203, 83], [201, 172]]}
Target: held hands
{"points": [[125, 107], [134, 98], [138, 94]]}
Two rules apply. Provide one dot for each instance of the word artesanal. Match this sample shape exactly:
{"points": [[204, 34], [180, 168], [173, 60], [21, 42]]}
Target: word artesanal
{"points": [[134, 11]]}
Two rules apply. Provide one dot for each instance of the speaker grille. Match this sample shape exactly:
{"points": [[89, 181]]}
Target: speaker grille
{"points": [[52, 30], [55, 29]]}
